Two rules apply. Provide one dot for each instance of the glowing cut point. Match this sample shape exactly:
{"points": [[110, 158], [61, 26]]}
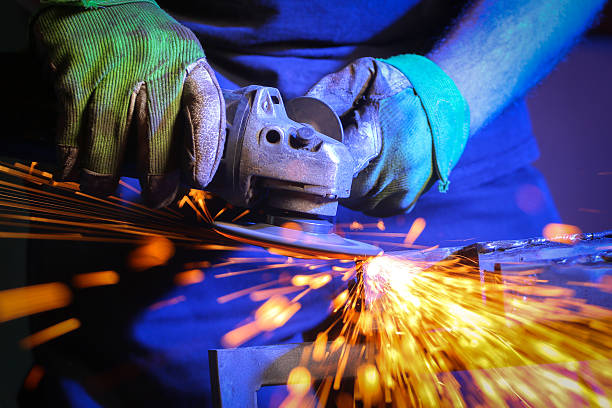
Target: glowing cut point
{"points": [[563, 233], [382, 272]]}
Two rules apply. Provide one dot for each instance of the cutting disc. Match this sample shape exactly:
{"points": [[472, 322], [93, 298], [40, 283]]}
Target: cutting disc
{"points": [[297, 243]]}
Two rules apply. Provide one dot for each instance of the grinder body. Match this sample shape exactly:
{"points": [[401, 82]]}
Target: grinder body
{"points": [[296, 163], [289, 160]]}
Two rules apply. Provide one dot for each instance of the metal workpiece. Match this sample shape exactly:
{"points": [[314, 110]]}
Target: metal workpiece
{"points": [[281, 162]]}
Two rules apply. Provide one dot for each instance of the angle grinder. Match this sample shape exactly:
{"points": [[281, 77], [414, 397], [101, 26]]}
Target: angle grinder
{"points": [[289, 161]]}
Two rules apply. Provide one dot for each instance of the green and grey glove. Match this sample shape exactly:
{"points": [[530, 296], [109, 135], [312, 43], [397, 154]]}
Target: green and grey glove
{"points": [[127, 68], [406, 124]]}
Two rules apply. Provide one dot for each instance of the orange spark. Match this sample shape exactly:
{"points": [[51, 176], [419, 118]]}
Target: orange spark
{"points": [[245, 271], [33, 378], [274, 313], [243, 292], [31, 170], [50, 333], [355, 226], [167, 302], [155, 251], [189, 277], [605, 285], [320, 345], [368, 382], [336, 344], [340, 300], [416, 229], [196, 265], [299, 381], [260, 295], [301, 295], [20, 302], [380, 225], [242, 214], [129, 187], [563, 233], [320, 281], [221, 211], [87, 280], [300, 280]]}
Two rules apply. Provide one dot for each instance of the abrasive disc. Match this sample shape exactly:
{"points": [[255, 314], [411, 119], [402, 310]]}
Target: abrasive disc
{"points": [[297, 243]]}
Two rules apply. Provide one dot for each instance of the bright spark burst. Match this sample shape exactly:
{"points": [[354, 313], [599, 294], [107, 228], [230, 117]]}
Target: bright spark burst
{"points": [[527, 344]]}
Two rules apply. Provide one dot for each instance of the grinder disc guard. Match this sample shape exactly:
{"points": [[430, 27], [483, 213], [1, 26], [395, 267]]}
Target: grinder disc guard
{"points": [[298, 243]]}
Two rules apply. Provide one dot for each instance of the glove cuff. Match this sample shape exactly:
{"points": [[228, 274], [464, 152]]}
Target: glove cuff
{"points": [[447, 111], [91, 3]]}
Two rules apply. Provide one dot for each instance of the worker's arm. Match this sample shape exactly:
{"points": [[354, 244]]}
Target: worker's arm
{"points": [[499, 49], [419, 112]]}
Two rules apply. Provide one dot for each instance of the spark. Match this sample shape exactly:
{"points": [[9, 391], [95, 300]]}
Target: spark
{"points": [[129, 187], [154, 251], [274, 313], [563, 233], [320, 344], [33, 378], [340, 300], [415, 230], [260, 295], [242, 214], [189, 277], [356, 226], [90, 279], [167, 302], [221, 211], [262, 268], [25, 301], [301, 295], [605, 285], [244, 292], [299, 381], [197, 265], [50, 333], [314, 281]]}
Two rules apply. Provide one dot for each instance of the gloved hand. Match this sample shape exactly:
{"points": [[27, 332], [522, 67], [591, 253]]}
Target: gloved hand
{"points": [[120, 68], [405, 122]]}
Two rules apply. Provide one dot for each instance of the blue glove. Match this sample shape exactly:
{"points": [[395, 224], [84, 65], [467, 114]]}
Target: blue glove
{"points": [[406, 124]]}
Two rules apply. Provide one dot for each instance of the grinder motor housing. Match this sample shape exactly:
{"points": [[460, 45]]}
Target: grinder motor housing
{"points": [[290, 156]]}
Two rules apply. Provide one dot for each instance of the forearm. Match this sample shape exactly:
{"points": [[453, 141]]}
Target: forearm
{"points": [[499, 49]]}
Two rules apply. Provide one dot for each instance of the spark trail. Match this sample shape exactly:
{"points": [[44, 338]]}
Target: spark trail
{"points": [[423, 334], [427, 338]]}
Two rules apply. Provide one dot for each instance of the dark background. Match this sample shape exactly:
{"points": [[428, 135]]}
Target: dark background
{"points": [[572, 116]]}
